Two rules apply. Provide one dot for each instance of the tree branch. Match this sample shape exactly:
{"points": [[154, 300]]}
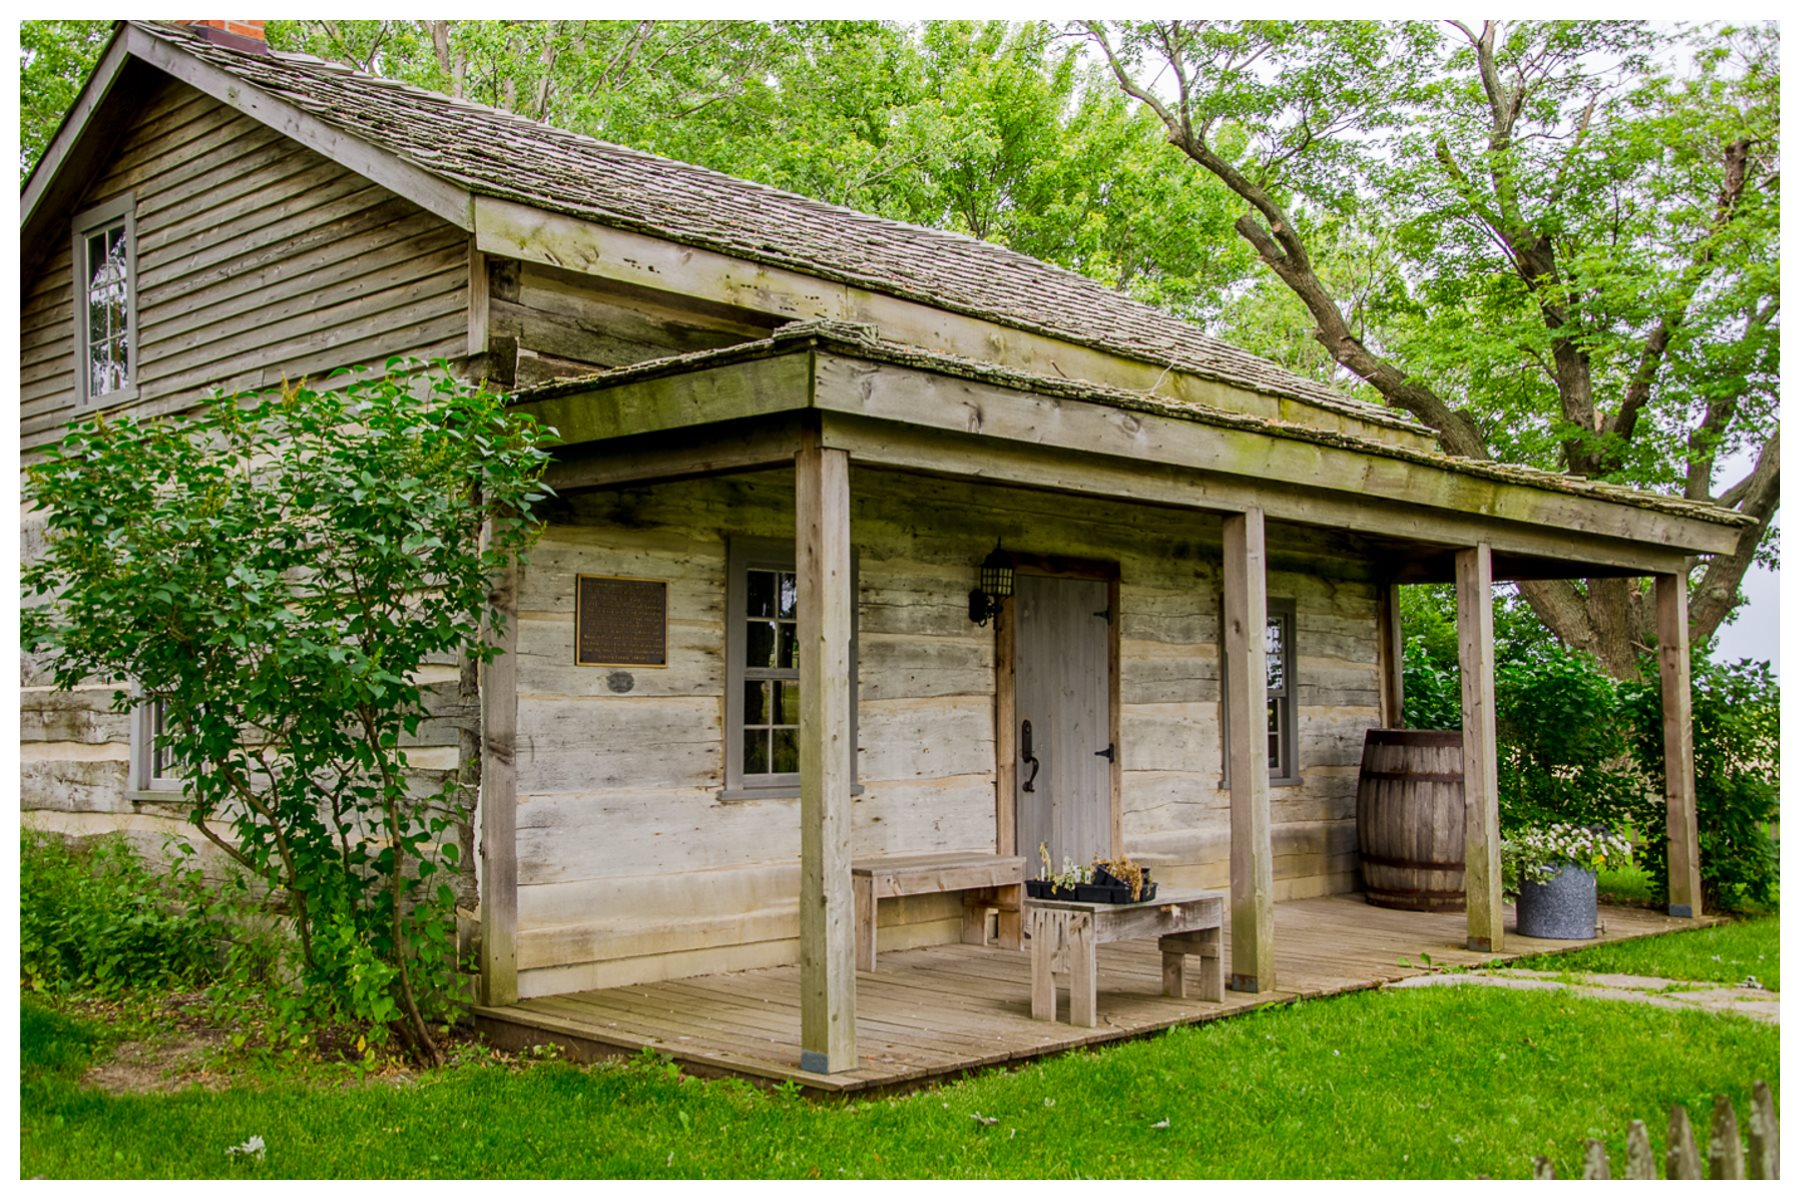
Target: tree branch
{"points": [[1759, 496]]}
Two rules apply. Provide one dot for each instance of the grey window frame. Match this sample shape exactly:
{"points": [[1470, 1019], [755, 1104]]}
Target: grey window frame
{"points": [[121, 210], [766, 554], [1287, 771], [146, 784]]}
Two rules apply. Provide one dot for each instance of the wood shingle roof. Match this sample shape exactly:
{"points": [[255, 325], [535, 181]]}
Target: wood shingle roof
{"points": [[490, 152]]}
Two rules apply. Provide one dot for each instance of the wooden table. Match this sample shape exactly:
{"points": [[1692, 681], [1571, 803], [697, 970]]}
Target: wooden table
{"points": [[985, 880], [1183, 922]]}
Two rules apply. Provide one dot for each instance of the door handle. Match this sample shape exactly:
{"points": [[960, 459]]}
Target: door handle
{"points": [[1028, 756], [1109, 754]]}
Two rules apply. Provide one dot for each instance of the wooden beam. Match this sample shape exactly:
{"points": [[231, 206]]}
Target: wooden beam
{"points": [[513, 230], [827, 909], [1481, 763], [759, 387], [1678, 745], [1391, 656], [1006, 748], [668, 457], [1246, 705], [499, 798], [973, 456], [1347, 478]]}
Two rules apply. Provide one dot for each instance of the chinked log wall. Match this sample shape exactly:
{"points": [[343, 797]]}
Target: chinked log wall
{"points": [[258, 260], [632, 868]]}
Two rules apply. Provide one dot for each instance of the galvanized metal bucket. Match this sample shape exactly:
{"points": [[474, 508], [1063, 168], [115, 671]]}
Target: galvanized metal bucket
{"points": [[1566, 907]]}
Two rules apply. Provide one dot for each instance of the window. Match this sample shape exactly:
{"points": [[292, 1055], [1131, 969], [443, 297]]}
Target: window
{"points": [[106, 303], [1278, 659], [151, 768], [762, 678]]}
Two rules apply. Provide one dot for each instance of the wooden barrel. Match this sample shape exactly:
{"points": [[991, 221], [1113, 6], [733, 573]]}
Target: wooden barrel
{"points": [[1409, 819]]}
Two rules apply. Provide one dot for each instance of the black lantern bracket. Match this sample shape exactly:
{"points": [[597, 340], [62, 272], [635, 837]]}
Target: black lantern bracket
{"points": [[996, 584]]}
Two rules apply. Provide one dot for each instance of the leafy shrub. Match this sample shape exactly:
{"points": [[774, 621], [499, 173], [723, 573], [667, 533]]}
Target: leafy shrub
{"points": [[1577, 746], [277, 570], [99, 919], [1737, 779]]}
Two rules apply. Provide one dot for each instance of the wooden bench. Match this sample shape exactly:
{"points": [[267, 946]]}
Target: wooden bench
{"points": [[985, 880], [1184, 923]]}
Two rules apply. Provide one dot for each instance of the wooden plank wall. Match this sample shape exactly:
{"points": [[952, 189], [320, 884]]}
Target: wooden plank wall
{"points": [[258, 260], [545, 323], [631, 867]]}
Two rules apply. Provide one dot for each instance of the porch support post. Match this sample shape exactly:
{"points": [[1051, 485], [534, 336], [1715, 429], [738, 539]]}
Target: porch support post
{"points": [[498, 798], [1246, 684], [827, 914], [1481, 763], [1678, 745], [1392, 655]]}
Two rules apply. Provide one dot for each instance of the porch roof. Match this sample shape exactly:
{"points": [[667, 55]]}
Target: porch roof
{"points": [[897, 406]]}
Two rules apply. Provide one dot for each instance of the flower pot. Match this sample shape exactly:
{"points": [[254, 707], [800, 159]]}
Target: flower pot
{"points": [[1565, 907]]}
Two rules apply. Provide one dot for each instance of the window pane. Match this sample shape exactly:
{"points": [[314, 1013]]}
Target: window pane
{"points": [[760, 596], [787, 750], [790, 645], [756, 752], [99, 370], [759, 647], [790, 595], [1275, 654], [787, 703], [96, 259], [159, 755], [756, 703], [1274, 735]]}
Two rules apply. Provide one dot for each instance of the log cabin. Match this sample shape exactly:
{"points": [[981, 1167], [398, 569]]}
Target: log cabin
{"points": [[873, 542]]}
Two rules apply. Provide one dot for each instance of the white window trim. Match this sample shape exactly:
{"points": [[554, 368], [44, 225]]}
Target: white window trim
{"points": [[742, 556], [1288, 773], [85, 224]]}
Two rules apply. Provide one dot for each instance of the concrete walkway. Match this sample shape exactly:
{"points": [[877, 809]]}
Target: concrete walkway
{"points": [[1754, 1002]]}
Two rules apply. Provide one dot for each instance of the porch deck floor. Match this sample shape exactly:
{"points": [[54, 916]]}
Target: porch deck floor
{"points": [[937, 1011]]}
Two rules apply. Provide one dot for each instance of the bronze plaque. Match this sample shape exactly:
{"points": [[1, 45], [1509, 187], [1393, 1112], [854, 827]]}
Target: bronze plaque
{"points": [[621, 622]]}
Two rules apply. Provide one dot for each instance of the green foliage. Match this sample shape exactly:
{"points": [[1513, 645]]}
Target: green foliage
{"points": [[277, 570], [1737, 779], [54, 59], [1486, 1078], [1580, 747], [97, 919]]}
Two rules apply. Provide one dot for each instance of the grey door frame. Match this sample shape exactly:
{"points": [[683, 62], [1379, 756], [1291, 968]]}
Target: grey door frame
{"points": [[1006, 747]]}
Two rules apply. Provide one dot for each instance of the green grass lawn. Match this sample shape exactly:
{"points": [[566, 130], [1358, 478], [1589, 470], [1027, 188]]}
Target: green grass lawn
{"points": [[1452, 1082], [1719, 954]]}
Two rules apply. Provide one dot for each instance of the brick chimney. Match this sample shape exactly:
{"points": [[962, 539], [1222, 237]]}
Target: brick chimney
{"points": [[239, 35]]}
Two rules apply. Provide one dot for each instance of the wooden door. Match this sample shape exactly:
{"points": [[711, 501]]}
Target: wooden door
{"points": [[1063, 693]]}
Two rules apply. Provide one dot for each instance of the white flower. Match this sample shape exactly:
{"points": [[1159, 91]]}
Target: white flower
{"points": [[252, 1147]]}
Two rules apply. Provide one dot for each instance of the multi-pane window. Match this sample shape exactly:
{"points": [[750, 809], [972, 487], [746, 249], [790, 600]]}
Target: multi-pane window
{"points": [[1278, 662], [771, 725], [762, 646], [104, 301]]}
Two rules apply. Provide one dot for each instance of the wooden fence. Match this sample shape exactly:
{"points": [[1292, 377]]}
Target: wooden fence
{"points": [[1726, 1156]]}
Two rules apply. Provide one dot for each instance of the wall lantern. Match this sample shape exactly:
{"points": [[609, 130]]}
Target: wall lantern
{"points": [[996, 585]]}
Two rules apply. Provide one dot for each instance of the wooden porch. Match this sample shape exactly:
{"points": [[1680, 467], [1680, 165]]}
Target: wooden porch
{"points": [[937, 1011]]}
